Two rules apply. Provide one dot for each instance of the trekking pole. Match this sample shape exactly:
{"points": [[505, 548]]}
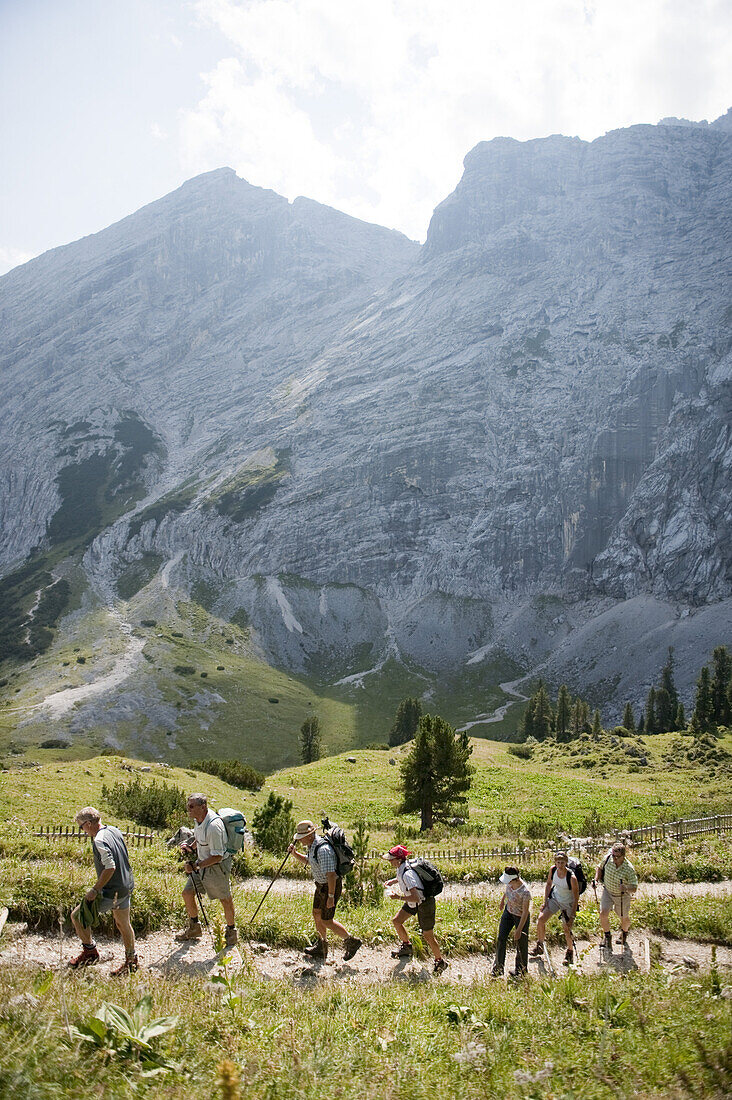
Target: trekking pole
{"points": [[597, 903], [274, 878], [200, 902]]}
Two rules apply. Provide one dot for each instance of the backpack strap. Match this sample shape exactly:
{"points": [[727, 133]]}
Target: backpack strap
{"points": [[319, 844]]}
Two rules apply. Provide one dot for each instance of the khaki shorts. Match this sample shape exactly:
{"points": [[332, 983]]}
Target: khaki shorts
{"points": [[620, 902], [425, 913], [320, 899], [215, 880]]}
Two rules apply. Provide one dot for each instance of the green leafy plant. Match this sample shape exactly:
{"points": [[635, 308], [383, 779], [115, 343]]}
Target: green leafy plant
{"points": [[129, 1037]]}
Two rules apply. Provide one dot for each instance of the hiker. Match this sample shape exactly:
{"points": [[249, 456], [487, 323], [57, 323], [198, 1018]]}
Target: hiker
{"points": [[209, 869], [561, 895], [323, 863], [111, 892], [415, 905], [619, 882], [516, 905]]}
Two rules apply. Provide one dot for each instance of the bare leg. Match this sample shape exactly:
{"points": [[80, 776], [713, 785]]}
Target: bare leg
{"points": [[398, 922], [228, 907], [122, 920], [334, 926], [569, 939], [84, 934], [320, 926], [189, 900], [541, 925], [605, 920], [434, 945]]}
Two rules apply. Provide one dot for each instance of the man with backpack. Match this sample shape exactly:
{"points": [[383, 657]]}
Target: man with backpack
{"points": [[208, 866], [561, 895], [322, 858], [418, 889], [619, 882]]}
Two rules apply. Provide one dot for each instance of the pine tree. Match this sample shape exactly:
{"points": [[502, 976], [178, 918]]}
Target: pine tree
{"points": [[310, 740], [629, 718], [642, 722], [665, 711], [543, 714], [406, 721], [720, 685], [596, 723], [702, 720], [667, 679], [564, 714], [651, 711], [576, 720], [527, 719], [437, 772], [680, 717]]}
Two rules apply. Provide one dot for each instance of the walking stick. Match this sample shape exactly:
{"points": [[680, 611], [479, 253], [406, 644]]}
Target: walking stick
{"points": [[274, 878], [597, 903], [200, 901]]}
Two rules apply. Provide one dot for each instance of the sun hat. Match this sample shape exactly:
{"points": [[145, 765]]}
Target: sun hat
{"points": [[303, 829], [509, 875], [397, 852]]}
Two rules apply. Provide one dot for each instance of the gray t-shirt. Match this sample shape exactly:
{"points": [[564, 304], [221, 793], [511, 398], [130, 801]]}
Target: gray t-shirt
{"points": [[110, 852]]}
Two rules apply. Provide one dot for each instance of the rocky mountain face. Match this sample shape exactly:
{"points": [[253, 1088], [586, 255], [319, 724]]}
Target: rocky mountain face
{"points": [[368, 450]]}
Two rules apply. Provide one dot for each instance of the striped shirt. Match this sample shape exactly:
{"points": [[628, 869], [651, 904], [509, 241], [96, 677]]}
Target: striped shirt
{"points": [[615, 877], [322, 859]]}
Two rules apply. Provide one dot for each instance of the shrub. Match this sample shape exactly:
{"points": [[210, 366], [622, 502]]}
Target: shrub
{"points": [[233, 772], [273, 824], [184, 670], [524, 751], [157, 805]]}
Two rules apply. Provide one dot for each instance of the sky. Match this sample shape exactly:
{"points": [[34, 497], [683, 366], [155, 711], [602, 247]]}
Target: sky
{"points": [[365, 105]]}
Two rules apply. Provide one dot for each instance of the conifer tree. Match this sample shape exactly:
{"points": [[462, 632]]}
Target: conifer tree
{"points": [[406, 721], [543, 714], [665, 711], [667, 679], [564, 714], [720, 685], [702, 720], [642, 722], [629, 718], [437, 772], [596, 723], [310, 740], [680, 717], [650, 711], [576, 722], [527, 721]]}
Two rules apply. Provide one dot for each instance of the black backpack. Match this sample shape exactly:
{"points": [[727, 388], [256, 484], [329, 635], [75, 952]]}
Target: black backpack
{"points": [[574, 867], [344, 853], [428, 875]]}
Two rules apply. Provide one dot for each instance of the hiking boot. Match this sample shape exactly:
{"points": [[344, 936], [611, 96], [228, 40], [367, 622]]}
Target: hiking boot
{"points": [[538, 951], [607, 943], [568, 958], [351, 945], [192, 931], [88, 956], [231, 938], [318, 950], [440, 965], [129, 966], [622, 939], [496, 973], [404, 952]]}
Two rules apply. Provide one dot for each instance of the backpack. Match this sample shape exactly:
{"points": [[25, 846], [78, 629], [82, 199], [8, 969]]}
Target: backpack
{"points": [[603, 865], [574, 867], [235, 825], [344, 853], [428, 875]]}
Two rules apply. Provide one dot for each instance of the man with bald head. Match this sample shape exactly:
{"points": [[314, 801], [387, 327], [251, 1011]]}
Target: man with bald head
{"points": [[208, 865]]}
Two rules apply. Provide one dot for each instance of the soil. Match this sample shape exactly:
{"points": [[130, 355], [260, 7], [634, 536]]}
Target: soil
{"points": [[457, 890], [160, 953]]}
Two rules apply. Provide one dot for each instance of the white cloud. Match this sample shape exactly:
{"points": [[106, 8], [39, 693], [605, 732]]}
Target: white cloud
{"points": [[370, 105], [157, 132], [11, 257]]}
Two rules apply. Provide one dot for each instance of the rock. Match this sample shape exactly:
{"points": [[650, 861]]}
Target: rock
{"points": [[351, 759], [691, 964]]}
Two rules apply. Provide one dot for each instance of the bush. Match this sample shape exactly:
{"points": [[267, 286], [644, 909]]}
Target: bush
{"points": [[157, 805], [524, 751], [273, 824], [233, 772]]}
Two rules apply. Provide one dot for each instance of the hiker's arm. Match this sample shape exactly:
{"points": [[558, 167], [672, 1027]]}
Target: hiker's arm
{"points": [[524, 918], [412, 896], [548, 887], [332, 877], [575, 895], [201, 864], [100, 883], [298, 855]]}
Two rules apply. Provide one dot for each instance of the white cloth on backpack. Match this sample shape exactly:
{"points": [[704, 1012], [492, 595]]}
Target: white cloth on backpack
{"points": [[408, 879]]}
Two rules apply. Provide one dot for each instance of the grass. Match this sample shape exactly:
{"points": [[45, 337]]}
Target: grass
{"points": [[597, 1039]]}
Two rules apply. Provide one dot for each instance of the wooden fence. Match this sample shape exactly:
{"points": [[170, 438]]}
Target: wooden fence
{"points": [[134, 838], [646, 834]]}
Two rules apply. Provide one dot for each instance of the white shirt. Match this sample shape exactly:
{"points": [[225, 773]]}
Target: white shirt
{"points": [[210, 837], [409, 880], [562, 891]]}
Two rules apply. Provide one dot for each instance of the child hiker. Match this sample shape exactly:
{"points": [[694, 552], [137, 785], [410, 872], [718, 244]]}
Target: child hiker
{"points": [[415, 905]]}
